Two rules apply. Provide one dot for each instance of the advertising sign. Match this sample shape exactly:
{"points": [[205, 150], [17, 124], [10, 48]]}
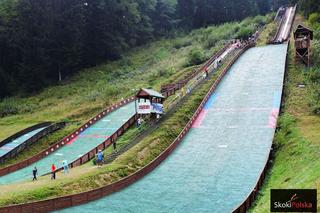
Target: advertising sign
{"points": [[144, 107], [157, 108]]}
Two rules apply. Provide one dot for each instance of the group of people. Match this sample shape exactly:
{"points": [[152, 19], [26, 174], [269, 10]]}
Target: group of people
{"points": [[65, 167]]}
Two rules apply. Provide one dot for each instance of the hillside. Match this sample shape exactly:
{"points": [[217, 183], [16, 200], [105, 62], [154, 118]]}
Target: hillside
{"points": [[79, 98]]}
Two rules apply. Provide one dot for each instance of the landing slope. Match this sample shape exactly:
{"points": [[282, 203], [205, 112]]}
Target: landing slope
{"points": [[218, 163]]}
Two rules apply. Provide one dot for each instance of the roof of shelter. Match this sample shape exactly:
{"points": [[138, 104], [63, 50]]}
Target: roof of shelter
{"points": [[303, 30], [149, 92]]}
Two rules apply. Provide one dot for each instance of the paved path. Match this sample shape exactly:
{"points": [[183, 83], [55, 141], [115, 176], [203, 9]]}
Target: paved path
{"points": [[218, 163]]}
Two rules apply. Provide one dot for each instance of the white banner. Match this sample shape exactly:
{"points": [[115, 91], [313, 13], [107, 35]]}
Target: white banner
{"points": [[144, 107]]}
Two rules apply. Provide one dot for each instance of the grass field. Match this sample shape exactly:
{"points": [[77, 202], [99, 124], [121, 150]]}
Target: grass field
{"points": [[297, 141]]}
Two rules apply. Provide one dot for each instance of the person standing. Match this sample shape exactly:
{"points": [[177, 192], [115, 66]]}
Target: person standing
{"points": [[53, 172], [139, 122], [34, 172], [65, 166], [100, 158]]}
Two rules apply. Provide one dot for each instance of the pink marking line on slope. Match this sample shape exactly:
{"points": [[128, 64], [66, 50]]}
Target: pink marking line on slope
{"points": [[70, 142], [273, 118], [199, 119]]}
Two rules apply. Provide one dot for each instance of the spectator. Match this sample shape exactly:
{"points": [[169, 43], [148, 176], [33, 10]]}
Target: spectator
{"points": [[100, 158], [53, 172], [139, 122], [65, 166], [34, 172]]}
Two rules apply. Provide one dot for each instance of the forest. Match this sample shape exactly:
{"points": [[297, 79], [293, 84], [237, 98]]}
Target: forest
{"points": [[43, 42]]}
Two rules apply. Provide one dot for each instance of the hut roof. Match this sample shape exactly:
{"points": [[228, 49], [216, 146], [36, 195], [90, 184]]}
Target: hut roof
{"points": [[149, 93], [302, 30]]}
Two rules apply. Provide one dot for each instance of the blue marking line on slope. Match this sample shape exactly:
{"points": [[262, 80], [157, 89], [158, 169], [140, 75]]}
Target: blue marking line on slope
{"points": [[210, 102]]}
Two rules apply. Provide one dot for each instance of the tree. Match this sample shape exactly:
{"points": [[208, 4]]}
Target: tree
{"points": [[44, 41], [163, 18], [309, 6], [186, 11]]}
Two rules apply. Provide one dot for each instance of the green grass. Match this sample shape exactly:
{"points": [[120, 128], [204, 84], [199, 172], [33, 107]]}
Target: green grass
{"points": [[77, 99], [267, 34], [297, 141]]}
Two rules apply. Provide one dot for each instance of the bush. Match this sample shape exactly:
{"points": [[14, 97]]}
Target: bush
{"points": [[314, 76], [285, 127], [196, 56], [8, 107], [180, 43], [246, 32], [260, 20], [315, 99], [314, 19]]}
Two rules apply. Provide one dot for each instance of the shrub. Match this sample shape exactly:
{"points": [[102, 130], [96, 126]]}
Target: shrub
{"points": [[196, 56], [314, 76], [285, 127], [180, 43], [314, 18], [8, 107], [260, 20], [246, 32], [315, 99]]}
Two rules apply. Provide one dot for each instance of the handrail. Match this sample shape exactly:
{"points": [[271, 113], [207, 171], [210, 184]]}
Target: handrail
{"points": [[84, 197], [65, 140]]}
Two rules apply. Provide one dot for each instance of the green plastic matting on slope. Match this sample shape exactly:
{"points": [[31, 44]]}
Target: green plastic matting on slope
{"points": [[85, 142], [219, 162], [5, 149]]}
